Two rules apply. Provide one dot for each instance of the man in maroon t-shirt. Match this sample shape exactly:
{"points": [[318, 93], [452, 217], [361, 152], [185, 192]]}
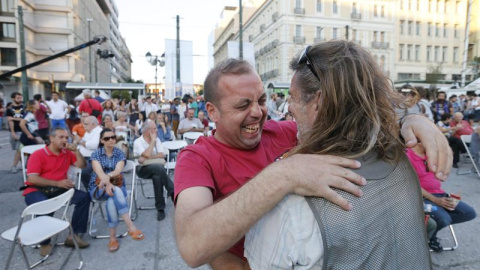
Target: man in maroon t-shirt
{"points": [[42, 117], [224, 183], [90, 105]]}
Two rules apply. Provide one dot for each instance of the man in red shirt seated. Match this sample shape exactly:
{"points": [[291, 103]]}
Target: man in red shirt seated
{"points": [[459, 126], [47, 167]]}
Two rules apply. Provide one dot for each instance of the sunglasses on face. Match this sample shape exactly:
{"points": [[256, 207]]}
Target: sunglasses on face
{"points": [[304, 59], [109, 138]]}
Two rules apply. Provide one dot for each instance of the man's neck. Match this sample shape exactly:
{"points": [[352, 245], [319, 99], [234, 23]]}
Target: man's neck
{"points": [[54, 149], [16, 104]]}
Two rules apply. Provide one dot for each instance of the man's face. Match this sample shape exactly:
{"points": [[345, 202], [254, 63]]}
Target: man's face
{"points": [[84, 116], [453, 99], [60, 139], [441, 96], [304, 114], [88, 126], [149, 101], [190, 114], [201, 115], [242, 110], [18, 99], [55, 97], [458, 117]]}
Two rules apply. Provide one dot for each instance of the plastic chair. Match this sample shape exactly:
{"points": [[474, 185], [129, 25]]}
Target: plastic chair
{"points": [[41, 228], [466, 139], [140, 181], [28, 150], [192, 135], [99, 205], [173, 146]]}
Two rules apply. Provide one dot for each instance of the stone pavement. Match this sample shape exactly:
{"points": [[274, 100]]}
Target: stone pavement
{"points": [[158, 250]]}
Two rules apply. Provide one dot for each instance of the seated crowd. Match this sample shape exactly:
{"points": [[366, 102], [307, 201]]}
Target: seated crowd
{"points": [[97, 136]]}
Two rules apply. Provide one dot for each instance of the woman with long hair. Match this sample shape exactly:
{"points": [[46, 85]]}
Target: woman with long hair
{"points": [[132, 112], [139, 123], [343, 104], [108, 163], [164, 128], [108, 108], [29, 125]]}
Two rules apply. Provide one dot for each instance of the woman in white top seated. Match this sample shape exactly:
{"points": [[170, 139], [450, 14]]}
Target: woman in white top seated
{"points": [[121, 129]]}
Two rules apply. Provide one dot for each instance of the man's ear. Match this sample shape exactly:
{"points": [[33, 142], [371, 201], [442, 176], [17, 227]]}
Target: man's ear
{"points": [[213, 112], [317, 100]]}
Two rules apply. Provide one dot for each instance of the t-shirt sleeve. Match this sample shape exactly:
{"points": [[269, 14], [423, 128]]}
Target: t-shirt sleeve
{"points": [[182, 125], [9, 112], [192, 170], [34, 164]]}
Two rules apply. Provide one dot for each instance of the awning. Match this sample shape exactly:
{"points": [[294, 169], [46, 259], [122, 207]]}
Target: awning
{"points": [[277, 85], [106, 86]]}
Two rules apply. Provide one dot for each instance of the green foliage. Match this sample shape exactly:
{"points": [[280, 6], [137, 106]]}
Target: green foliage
{"points": [[125, 94], [116, 94], [434, 74]]}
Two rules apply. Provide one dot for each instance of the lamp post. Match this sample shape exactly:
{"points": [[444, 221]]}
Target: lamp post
{"points": [[155, 60]]}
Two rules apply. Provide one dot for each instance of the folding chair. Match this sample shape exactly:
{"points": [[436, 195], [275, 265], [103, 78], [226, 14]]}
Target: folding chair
{"points": [[466, 140], [28, 150], [140, 181], [99, 205], [455, 241], [191, 137], [173, 146], [41, 228]]}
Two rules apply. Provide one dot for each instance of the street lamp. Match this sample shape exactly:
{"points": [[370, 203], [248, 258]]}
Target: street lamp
{"points": [[156, 61]]}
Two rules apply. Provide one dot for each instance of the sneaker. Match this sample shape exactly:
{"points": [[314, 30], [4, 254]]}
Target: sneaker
{"points": [[160, 215], [45, 250], [14, 169], [81, 243], [435, 245]]}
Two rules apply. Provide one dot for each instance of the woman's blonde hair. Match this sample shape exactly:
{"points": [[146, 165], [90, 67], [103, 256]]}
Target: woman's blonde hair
{"points": [[356, 105]]}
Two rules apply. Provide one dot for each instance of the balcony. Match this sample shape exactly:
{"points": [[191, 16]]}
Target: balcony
{"points": [[299, 40], [275, 43], [318, 40], [300, 11], [262, 28], [275, 16], [250, 38], [380, 45], [356, 16]]}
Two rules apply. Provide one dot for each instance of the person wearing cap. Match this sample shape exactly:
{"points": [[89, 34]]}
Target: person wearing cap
{"points": [[90, 105]]}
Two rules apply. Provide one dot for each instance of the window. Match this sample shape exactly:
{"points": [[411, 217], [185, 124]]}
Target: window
{"points": [[400, 53], [298, 3], [7, 6], [319, 5], [429, 53], [382, 62], [455, 31], [417, 52], [375, 34], [382, 11], [8, 30], [457, 7], [401, 4], [409, 52], [298, 30], [430, 5], [334, 32], [438, 6], [409, 4], [437, 29], [410, 27], [445, 6], [418, 5], [445, 30], [429, 29], [375, 12], [455, 54], [382, 37], [417, 28], [354, 8], [402, 24], [319, 32], [444, 53], [437, 50], [8, 56], [335, 7]]}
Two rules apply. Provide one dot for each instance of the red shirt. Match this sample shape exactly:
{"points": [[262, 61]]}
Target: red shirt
{"points": [[210, 163], [428, 181], [88, 105], [40, 115], [466, 130], [49, 166]]}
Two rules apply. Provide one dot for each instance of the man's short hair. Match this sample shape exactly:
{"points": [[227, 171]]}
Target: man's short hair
{"points": [[37, 97], [87, 92], [230, 66], [55, 93], [441, 92], [97, 92], [15, 94], [146, 126], [54, 131], [91, 120], [148, 97]]}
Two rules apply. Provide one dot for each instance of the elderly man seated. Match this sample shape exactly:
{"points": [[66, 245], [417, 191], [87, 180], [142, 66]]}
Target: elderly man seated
{"points": [[459, 126], [190, 124], [149, 150], [47, 178], [88, 144]]}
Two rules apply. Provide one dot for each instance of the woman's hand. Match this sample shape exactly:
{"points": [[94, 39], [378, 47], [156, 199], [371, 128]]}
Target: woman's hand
{"points": [[104, 181], [109, 189]]}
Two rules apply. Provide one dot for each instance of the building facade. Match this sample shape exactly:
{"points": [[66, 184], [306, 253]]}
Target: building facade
{"points": [[53, 26], [408, 38]]}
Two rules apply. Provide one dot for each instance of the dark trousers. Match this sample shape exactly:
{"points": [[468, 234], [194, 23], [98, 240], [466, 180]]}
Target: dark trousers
{"points": [[160, 179], [462, 213], [80, 213], [87, 173], [457, 147]]}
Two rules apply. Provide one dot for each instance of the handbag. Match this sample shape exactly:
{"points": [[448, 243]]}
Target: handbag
{"points": [[115, 180], [154, 161], [95, 113]]}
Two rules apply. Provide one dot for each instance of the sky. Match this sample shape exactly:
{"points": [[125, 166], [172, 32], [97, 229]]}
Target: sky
{"points": [[145, 24]]}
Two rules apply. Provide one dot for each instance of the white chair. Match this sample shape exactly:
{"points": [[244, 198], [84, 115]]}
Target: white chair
{"points": [[172, 135], [173, 146], [99, 205], [466, 139], [192, 135], [28, 150], [41, 228], [141, 182]]}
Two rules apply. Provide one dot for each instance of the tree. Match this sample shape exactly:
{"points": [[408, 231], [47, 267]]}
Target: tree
{"points": [[116, 94], [475, 66], [434, 74]]}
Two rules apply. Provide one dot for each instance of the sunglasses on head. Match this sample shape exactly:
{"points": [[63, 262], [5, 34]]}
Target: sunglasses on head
{"points": [[109, 138], [304, 59]]}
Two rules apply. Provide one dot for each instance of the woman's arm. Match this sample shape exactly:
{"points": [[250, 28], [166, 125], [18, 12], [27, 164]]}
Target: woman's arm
{"points": [[104, 178]]}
